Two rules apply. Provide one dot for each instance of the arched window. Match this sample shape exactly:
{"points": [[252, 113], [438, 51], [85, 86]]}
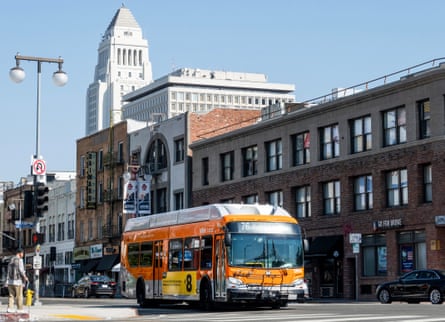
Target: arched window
{"points": [[157, 156]]}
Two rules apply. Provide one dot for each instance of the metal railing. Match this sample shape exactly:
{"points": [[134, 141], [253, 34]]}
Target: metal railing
{"points": [[373, 83]]}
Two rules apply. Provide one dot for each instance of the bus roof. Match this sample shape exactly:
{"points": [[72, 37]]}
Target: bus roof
{"points": [[202, 213]]}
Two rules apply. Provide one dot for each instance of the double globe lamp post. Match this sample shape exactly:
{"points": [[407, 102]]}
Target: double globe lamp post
{"points": [[17, 75]]}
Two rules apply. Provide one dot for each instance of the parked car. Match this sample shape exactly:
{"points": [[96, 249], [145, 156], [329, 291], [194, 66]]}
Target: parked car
{"points": [[414, 287], [94, 285]]}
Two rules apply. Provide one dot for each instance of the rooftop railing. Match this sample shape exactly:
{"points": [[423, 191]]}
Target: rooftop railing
{"points": [[380, 81]]}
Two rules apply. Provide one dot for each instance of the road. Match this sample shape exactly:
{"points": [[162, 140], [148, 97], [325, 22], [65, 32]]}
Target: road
{"points": [[103, 309]]}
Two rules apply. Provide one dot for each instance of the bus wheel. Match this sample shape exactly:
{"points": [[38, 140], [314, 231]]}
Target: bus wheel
{"points": [[140, 294], [205, 297]]}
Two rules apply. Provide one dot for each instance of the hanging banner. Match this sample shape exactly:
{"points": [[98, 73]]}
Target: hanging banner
{"points": [[143, 192], [130, 193]]}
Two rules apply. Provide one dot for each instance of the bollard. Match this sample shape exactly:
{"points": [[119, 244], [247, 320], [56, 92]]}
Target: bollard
{"points": [[29, 295]]}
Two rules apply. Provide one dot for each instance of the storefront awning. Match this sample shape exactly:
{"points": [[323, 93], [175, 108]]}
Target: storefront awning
{"points": [[107, 262], [89, 265], [325, 246]]}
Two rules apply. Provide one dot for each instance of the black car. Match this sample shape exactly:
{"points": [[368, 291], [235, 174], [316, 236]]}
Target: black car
{"points": [[94, 285], [414, 287]]}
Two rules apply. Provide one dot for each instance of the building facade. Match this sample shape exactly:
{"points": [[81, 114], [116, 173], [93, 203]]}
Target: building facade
{"points": [[54, 241], [361, 173], [123, 65], [101, 164], [161, 150], [200, 91]]}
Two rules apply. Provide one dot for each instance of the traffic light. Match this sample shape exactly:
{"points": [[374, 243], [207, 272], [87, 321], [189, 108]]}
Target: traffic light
{"points": [[27, 209], [38, 238], [42, 200]]}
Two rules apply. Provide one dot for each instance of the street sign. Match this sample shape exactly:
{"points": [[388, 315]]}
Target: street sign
{"points": [[23, 224], [38, 167], [355, 238], [37, 262]]}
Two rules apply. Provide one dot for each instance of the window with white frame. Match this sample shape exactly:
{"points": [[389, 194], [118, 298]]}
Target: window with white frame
{"points": [[397, 187], [361, 134], [303, 201], [330, 146], [274, 155], [363, 193], [300, 148], [331, 197], [394, 126]]}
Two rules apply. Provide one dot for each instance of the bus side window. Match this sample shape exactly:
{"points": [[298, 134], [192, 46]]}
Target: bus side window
{"points": [[147, 254], [206, 252], [175, 255], [133, 255], [191, 253]]}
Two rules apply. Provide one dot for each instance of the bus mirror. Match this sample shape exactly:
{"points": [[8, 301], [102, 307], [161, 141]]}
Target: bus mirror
{"points": [[228, 239], [306, 245]]}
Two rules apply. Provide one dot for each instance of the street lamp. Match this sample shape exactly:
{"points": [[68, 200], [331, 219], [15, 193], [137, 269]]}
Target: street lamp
{"points": [[17, 75]]}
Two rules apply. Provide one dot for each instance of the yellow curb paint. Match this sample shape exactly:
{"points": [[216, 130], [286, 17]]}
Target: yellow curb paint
{"points": [[77, 317]]}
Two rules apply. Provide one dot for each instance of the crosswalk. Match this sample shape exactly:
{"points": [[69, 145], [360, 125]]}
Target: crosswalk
{"points": [[272, 316]]}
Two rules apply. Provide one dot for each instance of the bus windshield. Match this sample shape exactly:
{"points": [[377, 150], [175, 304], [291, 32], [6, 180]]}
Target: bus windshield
{"points": [[265, 250]]}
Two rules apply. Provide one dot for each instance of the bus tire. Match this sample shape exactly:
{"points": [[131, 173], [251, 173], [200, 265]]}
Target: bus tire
{"points": [[205, 296], [140, 293]]}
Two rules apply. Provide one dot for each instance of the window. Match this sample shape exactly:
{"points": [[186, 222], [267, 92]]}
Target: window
{"points": [[161, 200], [424, 119], [60, 231], [330, 147], [99, 227], [206, 252], [300, 149], [157, 156], [250, 160], [82, 166], [100, 160], [303, 201], [175, 255], [179, 200], [361, 134], [275, 198], [427, 183], [227, 166], [331, 197], [146, 255], [250, 199], [205, 171], [394, 126], [363, 193], [81, 231], [120, 152], [412, 250], [374, 255], [179, 150], [133, 255], [397, 187], [274, 155], [71, 225]]}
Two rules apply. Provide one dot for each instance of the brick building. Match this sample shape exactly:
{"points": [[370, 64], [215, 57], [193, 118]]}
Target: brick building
{"points": [[160, 153], [366, 161]]}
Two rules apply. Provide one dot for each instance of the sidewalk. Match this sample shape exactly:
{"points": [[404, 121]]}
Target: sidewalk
{"points": [[68, 313]]}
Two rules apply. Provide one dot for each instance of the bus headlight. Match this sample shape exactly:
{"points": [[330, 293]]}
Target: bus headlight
{"points": [[298, 282], [233, 282]]}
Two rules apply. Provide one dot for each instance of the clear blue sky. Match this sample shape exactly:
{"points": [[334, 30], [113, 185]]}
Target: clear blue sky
{"points": [[315, 45]]}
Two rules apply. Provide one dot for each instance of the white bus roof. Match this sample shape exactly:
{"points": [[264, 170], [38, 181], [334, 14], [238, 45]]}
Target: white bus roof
{"points": [[202, 213]]}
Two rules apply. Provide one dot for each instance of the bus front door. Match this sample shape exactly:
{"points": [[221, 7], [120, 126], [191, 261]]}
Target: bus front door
{"points": [[158, 270], [219, 271]]}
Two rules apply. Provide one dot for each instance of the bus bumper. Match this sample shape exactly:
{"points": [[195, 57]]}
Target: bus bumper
{"points": [[235, 295]]}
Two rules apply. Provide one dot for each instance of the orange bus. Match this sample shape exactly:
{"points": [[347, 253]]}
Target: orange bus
{"points": [[219, 253]]}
